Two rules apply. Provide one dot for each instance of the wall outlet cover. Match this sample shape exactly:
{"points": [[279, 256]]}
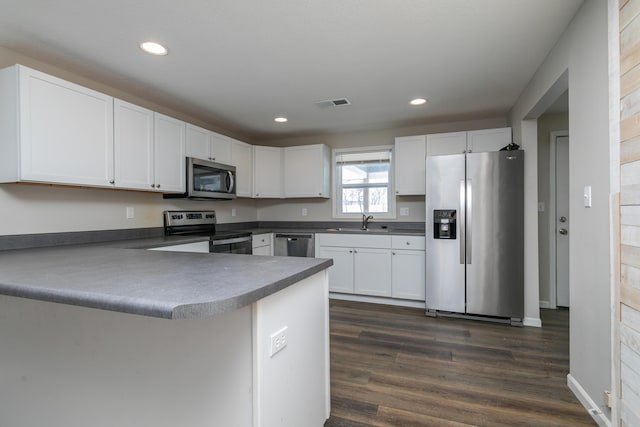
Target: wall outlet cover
{"points": [[278, 341]]}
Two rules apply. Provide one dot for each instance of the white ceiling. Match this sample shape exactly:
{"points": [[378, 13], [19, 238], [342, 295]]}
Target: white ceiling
{"points": [[240, 63]]}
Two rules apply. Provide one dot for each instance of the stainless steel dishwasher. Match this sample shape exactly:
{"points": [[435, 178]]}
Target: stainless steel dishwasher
{"points": [[295, 244]]}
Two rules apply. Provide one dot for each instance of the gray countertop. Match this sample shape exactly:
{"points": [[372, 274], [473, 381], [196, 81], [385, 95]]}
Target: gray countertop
{"points": [[122, 276], [339, 230]]}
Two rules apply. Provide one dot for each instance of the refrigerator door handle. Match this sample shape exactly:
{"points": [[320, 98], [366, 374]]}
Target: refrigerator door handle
{"points": [[461, 220], [469, 220]]}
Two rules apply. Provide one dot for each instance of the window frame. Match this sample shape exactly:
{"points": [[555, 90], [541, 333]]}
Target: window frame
{"points": [[336, 198]]}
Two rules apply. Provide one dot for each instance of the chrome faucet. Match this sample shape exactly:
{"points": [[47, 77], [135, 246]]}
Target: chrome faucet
{"points": [[365, 221]]}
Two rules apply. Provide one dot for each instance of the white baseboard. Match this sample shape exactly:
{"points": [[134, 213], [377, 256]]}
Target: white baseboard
{"points": [[378, 300], [534, 322], [592, 408], [545, 304]]}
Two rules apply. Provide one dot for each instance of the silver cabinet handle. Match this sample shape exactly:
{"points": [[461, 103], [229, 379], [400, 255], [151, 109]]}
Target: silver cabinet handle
{"points": [[469, 220], [563, 231], [563, 219], [153, 186], [461, 218], [112, 181], [157, 185]]}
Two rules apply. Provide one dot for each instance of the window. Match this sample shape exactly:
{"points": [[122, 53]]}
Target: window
{"points": [[363, 182]]}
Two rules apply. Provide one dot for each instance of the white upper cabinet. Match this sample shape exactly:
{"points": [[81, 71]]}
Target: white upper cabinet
{"points": [[220, 148], [307, 171], [473, 141], [54, 131], [440, 144], [133, 138], [242, 159], [488, 139], [207, 145], [169, 154], [198, 142], [267, 172], [410, 154]]}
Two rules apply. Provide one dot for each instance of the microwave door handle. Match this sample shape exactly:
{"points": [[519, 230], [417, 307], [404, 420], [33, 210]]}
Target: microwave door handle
{"points": [[231, 181]]}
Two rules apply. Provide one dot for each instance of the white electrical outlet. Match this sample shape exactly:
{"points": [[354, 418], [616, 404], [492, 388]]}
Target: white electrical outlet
{"points": [[233, 211], [404, 211], [278, 341], [131, 213], [304, 211]]}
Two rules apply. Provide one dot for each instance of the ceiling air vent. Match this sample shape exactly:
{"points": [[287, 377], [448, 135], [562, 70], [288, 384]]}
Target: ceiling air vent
{"points": [[333, 103]]}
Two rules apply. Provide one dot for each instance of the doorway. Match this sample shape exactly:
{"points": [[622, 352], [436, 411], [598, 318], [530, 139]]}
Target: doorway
{"points": [[559, 224]]}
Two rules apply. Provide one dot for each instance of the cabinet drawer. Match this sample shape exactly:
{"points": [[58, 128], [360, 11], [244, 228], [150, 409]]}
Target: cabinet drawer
{"points": [[408, 242], [258, 240], [355, 240]]}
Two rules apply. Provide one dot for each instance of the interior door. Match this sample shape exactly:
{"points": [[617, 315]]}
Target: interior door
{"points": [[562, 221]]}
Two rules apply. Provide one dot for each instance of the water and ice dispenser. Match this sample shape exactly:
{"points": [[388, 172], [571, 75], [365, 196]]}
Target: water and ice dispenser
{"points": [[444, 224]]}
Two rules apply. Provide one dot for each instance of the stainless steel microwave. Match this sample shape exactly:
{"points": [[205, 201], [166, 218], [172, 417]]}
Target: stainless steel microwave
{"points": [[208, 180]]}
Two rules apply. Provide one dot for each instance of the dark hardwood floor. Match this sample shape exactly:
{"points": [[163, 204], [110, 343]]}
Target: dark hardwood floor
{"points": [[393, 366]]}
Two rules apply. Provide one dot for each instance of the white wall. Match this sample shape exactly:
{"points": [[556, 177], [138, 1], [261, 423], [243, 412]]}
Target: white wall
{"points": [[580, 58]]}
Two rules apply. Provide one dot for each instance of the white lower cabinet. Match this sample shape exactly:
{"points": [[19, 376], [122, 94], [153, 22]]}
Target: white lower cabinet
{"points": [[262, 244], [341, 273], [372, 271], [408, 274], [375, 265]]}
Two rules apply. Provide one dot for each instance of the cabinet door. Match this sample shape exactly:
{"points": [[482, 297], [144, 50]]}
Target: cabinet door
{"points": [[220, 148], [440, 144], [341, 272], [408, 274], [262, 250], [307, 171], [372, 271], [267, 172], [488, 139], [242, 159], [66, 131], [262, 244], [133, 139], [410, 154], [169, 158], [198, 142]]}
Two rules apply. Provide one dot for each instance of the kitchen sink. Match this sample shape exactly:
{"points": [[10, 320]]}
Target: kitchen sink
{"points": [[359, 230]]}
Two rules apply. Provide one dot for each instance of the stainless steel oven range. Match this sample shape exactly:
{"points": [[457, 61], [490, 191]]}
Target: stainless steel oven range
{"points": [[203, 223]]}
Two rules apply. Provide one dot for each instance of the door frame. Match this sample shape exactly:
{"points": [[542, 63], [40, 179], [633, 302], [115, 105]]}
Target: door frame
{"points": [[553, 288]]}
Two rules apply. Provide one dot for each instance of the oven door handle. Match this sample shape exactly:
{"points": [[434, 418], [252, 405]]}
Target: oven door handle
{"points": [[230, 241]]}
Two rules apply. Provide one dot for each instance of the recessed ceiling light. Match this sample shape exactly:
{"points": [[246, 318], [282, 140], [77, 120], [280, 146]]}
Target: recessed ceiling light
{"points": [[154, 48], [418, 101], [281, 119]]}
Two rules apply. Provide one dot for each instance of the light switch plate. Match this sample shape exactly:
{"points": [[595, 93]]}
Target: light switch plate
{"points": [[587, 196]]}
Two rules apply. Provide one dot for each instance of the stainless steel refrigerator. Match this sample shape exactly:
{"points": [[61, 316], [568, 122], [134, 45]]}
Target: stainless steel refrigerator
{"points": [[475, 235]]}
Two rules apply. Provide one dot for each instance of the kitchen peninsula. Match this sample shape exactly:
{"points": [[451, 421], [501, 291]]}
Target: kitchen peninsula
{"points": [[113, 334]]}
